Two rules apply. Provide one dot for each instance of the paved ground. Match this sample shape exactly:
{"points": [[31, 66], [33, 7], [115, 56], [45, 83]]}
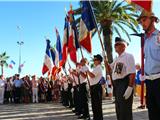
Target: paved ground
{"points": [[54, 111]]}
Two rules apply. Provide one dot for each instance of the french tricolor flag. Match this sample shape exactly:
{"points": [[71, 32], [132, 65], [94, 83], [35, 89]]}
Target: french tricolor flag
{"points": [[65, 41], [59, 49], [47, 65], [73, 44], [87, 24], [12, 63]]}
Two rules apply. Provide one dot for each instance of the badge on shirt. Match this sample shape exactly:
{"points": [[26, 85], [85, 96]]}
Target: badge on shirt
{"points": [[119, 67]]}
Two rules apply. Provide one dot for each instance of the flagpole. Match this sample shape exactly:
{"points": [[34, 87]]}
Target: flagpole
{"points": [[72, 75], [20, 43], [99, 36]]}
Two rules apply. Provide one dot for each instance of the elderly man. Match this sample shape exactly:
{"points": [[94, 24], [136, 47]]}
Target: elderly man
{"points": [[123, 75], [152, 63]]}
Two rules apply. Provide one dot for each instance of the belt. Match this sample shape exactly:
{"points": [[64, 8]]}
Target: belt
{"points": [[152, 77]]}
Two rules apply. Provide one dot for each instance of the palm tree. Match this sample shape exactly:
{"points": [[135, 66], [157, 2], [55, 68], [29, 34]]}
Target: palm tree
{"points": [[3, 61], [112, 17]]}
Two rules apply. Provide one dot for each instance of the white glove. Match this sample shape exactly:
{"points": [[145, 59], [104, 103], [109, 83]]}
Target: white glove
{"points": [[142, 77], [128, 92], [103, 54], [86, 69]]}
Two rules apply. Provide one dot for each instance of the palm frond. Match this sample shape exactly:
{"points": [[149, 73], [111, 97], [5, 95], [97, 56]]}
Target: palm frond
{"points": [[116, 30], [77, 11], [3, 59], [124, 30], [117, 6], [129, 25], [6, 64]]}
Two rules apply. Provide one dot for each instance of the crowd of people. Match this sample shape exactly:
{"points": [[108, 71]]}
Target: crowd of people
{"points": [[27, 89]]}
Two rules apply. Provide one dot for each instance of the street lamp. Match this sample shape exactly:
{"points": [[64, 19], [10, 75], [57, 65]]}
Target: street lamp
{"points": [[20, 43]]}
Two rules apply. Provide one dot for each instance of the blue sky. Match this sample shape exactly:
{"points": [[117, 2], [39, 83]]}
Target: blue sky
{"points": [[37, 20]]}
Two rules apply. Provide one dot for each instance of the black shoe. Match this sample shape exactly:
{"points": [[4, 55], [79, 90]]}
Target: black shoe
{"points": [[78, 114], [84, 117], [80, 117], [73, 111], [70, 107], [87, 118], [141, 107]]}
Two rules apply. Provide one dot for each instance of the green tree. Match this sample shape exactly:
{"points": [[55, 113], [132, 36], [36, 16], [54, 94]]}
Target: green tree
{"points": [[3, 61], [112, 17]]}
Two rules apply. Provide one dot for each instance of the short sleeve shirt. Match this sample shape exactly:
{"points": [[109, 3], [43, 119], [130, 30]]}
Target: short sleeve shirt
{"points": [[82, 79], [122, 66], [97, 71]]}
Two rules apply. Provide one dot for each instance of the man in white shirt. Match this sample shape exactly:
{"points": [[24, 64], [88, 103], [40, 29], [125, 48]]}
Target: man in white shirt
{"points": [[34, 89], [2, 88], [83, 89], [123, 75], [96, 88]]}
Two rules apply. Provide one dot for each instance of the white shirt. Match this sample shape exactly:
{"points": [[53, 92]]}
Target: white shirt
{"points": [[122, 66], [84, 70], [65, 83], [34, 83], [2, 83], [97, 71]]}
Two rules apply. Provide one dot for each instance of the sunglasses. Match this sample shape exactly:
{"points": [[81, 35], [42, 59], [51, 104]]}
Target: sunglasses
{"points": [[95, 59]]}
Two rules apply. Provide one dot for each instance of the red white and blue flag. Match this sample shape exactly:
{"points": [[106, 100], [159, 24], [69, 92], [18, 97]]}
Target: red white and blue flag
{"points": [[65, 41], [54, 56], [47, 65], [59, 49], [20, 67], [12, 63], [73, 44], [87, 24]]}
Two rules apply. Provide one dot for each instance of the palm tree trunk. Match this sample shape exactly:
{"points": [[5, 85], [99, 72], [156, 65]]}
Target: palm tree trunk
{"points": [[2, 69], [107, 39]]}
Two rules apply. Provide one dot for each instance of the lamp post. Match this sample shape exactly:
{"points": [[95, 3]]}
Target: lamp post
{"points": [[20, 43]]}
